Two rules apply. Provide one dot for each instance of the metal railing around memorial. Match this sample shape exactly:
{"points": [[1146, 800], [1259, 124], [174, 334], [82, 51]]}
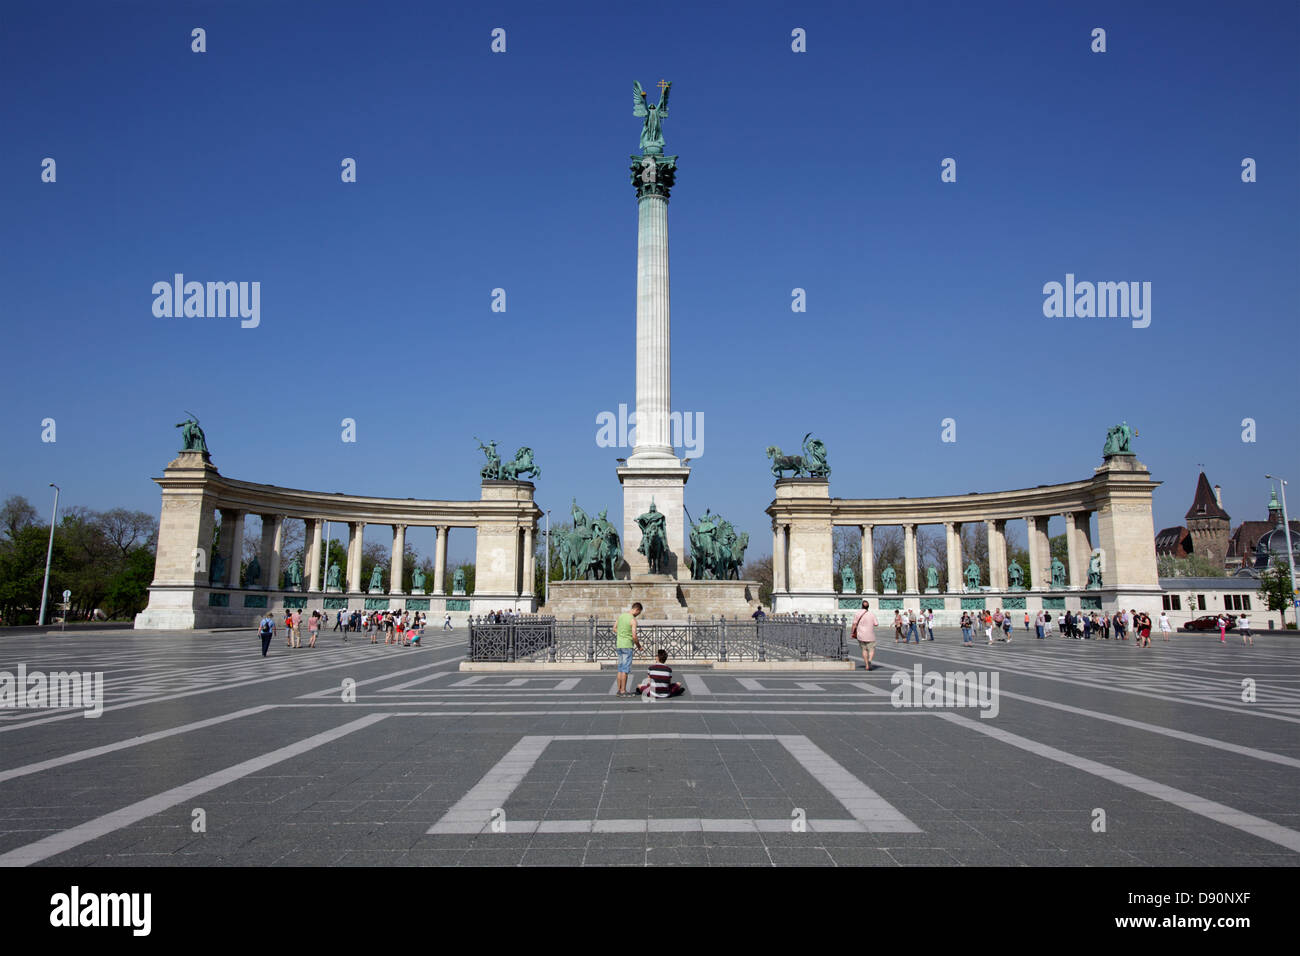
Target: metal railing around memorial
{"points": [[539, 638]]}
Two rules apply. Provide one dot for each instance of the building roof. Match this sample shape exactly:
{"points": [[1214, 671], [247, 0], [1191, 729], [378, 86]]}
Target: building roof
{"points": [[1246, 537], [1205, 505], [1173, 541]]}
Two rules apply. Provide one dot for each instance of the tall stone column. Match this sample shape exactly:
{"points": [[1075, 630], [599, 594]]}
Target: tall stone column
{"points": [[952, 532], [397, 566], [868, 559], [997, 531], [440, 560], [530, 563], [272, 546], [1076, 557], [225, 547], [1033, 536], [653, 472], [776, 559], [909, 558], [314, 529], [1045, 555], [356, 533], [236, 547]]}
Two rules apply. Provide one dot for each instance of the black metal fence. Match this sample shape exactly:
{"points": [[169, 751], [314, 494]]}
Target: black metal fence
{"points": [[776, 638]]}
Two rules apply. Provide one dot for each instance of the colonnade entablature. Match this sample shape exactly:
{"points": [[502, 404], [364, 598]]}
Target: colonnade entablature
{"points": [[193, 588], [1119, 564]]}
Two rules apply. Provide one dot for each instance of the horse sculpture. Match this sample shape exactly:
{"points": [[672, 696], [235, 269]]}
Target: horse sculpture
{"points": [[812, 463], [513, 470]]}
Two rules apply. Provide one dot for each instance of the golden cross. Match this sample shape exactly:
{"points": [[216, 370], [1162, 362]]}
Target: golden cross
{"points": [[662, 84]]}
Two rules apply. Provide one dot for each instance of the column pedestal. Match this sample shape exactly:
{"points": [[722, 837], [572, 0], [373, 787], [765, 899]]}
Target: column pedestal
{"points": [[662, 480]]}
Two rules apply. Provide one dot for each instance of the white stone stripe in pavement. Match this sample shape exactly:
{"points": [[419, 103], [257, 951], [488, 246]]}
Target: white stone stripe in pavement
{"points": [[285, 675], [419, 680], [472, 812], [1244, 751], [125, 744], [335, 691], [1219, 812], [481, 810], [65, 840], [695, 684], [1001, 664], [693, 825]]}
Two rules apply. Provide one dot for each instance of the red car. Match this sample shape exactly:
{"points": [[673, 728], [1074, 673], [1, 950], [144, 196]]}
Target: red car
{"points": [[1210, 623]]}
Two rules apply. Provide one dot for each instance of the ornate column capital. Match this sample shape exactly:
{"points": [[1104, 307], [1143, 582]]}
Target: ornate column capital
{"points": [[653, 175]]}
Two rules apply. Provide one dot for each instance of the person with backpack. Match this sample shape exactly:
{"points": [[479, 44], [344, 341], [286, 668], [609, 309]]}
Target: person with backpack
{"points": [[266, 631]]}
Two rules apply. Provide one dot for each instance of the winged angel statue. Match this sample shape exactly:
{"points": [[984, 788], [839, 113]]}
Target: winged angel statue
{"points": [[652, 134]]}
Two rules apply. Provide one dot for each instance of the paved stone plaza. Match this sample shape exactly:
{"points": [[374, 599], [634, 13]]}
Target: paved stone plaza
{"points": [[434, 766]]}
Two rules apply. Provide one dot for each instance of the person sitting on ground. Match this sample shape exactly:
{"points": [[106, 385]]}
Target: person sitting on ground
{"points": [[659, 681]]}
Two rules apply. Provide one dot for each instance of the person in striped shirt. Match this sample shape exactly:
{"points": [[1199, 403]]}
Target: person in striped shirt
{"points": [[659, 683]]}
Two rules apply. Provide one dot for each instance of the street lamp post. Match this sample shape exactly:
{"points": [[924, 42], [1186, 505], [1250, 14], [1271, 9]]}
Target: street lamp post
{"points": [[49, 553], [546, 588], [1290, 558]]}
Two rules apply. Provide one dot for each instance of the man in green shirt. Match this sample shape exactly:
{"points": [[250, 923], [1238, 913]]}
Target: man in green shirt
{"points": [[625, 628]]}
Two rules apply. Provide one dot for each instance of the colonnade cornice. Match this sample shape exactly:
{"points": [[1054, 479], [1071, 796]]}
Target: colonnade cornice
{"points": [[296, 503]]}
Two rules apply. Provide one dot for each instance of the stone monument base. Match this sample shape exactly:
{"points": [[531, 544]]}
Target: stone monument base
{"points": [[661, 597]]}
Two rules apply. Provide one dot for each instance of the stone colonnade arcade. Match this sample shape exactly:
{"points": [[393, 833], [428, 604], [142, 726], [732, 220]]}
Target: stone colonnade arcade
{"points": [[1119, 493], [183, 595]]}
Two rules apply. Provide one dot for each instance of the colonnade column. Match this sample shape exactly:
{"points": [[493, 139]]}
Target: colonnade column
{"points": [[952, 531], [909, 557], [1078, 564], [396, 568], [314, 528], [779, 580], [868, 559], [440, 560], [356, 530], [530, 558], [272, 543], [236, 546], [997, 532], [1034, 539], [224, 548]]}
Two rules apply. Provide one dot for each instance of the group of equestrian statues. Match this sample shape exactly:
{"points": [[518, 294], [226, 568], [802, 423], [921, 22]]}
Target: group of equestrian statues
{"points": [[592, 550]]}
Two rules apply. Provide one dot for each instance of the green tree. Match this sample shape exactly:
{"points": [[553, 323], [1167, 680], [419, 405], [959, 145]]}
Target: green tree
{"points": [[1275, 585], [16, 514], [556, 571], [760, 570], [22, 572], [128, 591], [1192, 566]]}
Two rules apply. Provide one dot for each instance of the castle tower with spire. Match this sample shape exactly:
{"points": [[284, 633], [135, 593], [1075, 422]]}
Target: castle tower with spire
{"points": [[1209, 525]]}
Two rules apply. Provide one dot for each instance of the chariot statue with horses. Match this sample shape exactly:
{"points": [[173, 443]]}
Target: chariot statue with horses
{"points": [[494, 469], [811, 464]]}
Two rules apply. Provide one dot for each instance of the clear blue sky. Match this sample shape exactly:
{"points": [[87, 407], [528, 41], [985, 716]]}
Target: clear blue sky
{"points": [[817, 170]]}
